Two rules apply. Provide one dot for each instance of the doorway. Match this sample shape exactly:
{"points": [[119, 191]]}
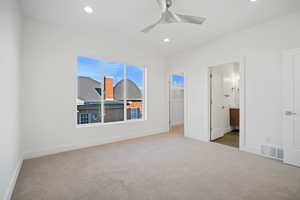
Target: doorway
{"points": [[224, 82], [176, 103], [291, 107]]}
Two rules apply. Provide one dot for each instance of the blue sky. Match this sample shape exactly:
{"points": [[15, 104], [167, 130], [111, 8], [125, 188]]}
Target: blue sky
{"points": [[89, 68], [178, 80], [96, 69]]}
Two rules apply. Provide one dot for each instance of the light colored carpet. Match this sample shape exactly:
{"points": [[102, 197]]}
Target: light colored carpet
{"points": [[162, 167]]}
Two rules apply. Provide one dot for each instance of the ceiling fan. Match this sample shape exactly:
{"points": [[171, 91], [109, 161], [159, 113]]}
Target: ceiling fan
{"points": [[168, 17]]}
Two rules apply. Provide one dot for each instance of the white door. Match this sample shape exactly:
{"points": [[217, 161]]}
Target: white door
{"points": [[291, 110], [217, 108]]}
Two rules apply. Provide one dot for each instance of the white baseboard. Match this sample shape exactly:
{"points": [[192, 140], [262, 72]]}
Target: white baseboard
{"points": [[70, 147], [178, 124], [203, 139], [251, 149], [13, 180], [255, 149]]}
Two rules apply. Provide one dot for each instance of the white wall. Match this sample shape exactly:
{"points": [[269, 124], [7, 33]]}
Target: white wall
{"points": [[261, 48], [9, 87], [48, 107]]}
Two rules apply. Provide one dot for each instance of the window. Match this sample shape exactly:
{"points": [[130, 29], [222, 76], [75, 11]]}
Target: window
{"points": [[84, 118], [89, 84], [177, 87], [178, 81], [134, 92], [134, 113], [113, 92], [109, 91]]}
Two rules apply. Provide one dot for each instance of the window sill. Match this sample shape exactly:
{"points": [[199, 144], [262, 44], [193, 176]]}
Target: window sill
{"points": [[109, 123]]}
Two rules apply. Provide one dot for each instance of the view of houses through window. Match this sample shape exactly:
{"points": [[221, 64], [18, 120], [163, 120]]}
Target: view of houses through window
{"points": [[108, 91]]}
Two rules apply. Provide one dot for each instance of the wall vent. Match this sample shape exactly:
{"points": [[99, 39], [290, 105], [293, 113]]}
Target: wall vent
{"points": [[272, 151]]}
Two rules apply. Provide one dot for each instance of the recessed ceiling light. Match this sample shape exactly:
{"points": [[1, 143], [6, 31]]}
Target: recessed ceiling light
{"points": [[88, 9], [167, 40], [252, 0]]}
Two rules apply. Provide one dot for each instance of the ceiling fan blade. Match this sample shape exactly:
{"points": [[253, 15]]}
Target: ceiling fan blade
{"points": [[167, 17], [149, 28], [170, 17], [162, 4], [191, 19]]}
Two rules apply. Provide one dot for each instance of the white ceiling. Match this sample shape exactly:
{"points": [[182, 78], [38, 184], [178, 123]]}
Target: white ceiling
{"points": [[131, 16]]}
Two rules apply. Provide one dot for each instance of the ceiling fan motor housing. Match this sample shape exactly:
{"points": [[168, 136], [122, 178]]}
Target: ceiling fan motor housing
{"points": [[169, 3]]}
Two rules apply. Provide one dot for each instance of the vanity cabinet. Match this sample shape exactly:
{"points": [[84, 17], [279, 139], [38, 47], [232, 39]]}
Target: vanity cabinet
{"points": [[234, 116]]}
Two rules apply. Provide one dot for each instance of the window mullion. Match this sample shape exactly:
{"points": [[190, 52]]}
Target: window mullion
{"points": [[144, 109], [102, 93], [125, 92]]}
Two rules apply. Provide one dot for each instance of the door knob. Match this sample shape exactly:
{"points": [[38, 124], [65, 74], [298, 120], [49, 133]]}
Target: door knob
{"points": [[290, 113]]}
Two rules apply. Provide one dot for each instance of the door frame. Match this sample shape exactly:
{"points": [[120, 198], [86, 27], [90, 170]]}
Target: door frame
{"points": [[242, 130], [288, 104], [184, 98]]}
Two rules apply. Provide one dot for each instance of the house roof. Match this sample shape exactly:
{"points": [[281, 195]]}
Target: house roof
{"points": [[132, 91], [89, 90]]}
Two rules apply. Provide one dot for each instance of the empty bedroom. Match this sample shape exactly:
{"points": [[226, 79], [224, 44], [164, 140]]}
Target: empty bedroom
{"points": [[150, 99]]}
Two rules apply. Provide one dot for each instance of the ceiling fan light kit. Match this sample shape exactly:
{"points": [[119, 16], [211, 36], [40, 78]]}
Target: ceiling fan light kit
{"points": [[168, 17]]}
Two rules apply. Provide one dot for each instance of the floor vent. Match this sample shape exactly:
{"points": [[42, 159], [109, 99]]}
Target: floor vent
{"points": [[272, 151]]}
